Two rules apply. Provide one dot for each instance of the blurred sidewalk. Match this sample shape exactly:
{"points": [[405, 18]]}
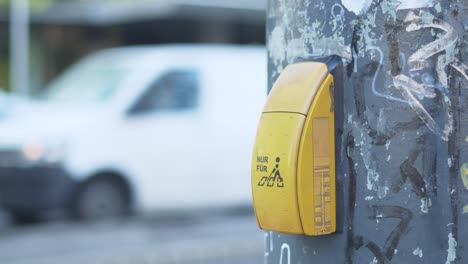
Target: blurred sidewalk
{"points": [[212, 238]]}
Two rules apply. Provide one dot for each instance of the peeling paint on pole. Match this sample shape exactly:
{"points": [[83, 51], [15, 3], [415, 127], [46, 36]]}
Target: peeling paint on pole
{"points": [[403, 164]]}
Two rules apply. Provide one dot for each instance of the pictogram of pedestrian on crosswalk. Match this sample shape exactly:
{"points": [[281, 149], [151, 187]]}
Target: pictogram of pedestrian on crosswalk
{"points": [[275, 176]]}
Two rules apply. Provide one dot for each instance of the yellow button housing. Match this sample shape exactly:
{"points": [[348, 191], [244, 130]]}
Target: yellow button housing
{"points": [[293, 165]]}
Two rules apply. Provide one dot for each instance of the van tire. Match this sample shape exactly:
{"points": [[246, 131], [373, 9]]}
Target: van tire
{"points": [[20, 218], [102, 197]]}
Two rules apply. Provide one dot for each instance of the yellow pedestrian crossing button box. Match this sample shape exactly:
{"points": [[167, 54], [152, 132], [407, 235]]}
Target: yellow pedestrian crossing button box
{"points": [[293, 165]]}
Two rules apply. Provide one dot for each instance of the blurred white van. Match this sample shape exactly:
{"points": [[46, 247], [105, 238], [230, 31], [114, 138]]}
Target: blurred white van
{"points": [[158, 127]]}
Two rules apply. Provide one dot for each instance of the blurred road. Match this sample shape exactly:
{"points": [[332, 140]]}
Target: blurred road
{"points": [[204, 237]]}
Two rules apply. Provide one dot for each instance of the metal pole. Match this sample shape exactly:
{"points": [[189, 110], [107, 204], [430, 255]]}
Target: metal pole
{"points": [[19, 46], [402, 170]]}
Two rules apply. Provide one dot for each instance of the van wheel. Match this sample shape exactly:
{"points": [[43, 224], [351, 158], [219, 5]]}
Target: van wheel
{"points": [[21, 218], [100, 198]]}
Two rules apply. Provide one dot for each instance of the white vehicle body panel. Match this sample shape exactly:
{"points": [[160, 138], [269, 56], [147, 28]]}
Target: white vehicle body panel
{"points": [[171, 159]]}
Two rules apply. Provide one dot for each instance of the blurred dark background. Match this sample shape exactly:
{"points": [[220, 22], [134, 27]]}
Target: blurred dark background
{"points": [[61, 31]]}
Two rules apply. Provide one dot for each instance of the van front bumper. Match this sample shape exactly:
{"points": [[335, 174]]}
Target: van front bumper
{"points": [[32, 190]]}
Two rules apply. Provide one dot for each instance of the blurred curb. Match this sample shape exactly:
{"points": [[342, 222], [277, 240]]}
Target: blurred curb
{"points": [[186, 253]]}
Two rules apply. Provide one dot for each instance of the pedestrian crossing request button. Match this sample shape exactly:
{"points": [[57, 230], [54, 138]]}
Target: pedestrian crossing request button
{"points": [[293, 164]]}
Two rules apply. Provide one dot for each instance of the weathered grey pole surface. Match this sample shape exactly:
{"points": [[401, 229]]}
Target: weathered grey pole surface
{"points": [[401, 165]]}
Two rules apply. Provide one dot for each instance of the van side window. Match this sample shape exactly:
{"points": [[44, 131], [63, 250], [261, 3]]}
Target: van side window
{"points": [[175, 90]]}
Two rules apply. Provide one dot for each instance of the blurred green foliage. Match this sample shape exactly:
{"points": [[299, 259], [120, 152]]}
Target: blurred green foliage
{"points": [[42, 4], [34, 4], [4, 78]]}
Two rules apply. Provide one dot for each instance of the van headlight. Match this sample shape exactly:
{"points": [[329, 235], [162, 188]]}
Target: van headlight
{"points": [[39, 152]]}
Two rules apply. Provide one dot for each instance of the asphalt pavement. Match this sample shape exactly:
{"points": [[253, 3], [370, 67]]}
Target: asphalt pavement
{"points": [[205, 237]]}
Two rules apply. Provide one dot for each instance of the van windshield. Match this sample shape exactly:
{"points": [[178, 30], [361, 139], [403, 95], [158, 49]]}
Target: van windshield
{"points": [[86, 83]]}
